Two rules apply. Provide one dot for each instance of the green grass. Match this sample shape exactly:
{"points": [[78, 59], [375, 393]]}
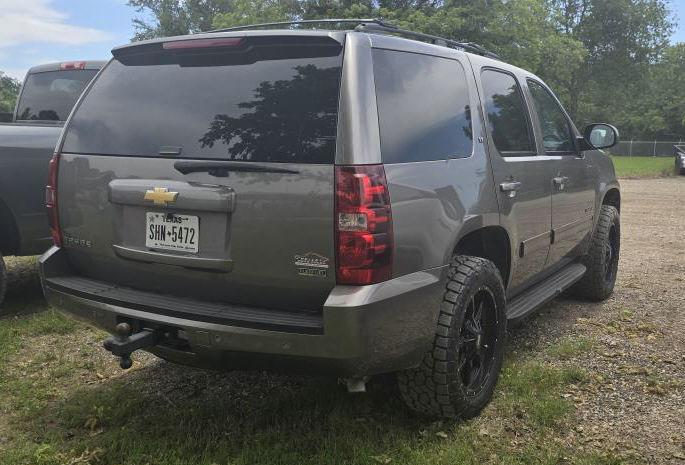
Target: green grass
{"points": [[568, 348], [643, 167], [54, 410]]}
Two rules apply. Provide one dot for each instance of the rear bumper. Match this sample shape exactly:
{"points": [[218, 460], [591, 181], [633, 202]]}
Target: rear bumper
{"points": [[363, 330]]}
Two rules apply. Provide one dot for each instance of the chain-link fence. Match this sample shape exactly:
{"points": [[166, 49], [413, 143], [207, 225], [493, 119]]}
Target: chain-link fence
{"points": [[645, 148]]}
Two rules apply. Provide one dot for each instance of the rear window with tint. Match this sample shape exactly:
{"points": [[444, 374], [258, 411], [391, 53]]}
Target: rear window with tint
{"points": [[273, 107], [423, 107], [50, 96]]}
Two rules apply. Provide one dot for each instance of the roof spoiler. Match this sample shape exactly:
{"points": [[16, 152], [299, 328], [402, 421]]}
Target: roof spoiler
{"points": [[374, 25]]}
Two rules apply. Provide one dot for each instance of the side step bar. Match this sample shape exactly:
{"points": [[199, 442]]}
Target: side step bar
{"points": [[538, 295]]}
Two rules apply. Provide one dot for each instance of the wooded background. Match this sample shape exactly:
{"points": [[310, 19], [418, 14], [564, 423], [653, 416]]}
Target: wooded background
{"points": [[607, 60]]}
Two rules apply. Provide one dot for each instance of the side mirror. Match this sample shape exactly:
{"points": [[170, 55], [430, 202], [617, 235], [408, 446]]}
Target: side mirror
{"points": [[599, 136]]}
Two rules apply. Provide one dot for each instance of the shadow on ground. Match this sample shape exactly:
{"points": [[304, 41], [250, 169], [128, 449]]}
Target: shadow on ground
{"points": [[168, 414], [164, 413]]}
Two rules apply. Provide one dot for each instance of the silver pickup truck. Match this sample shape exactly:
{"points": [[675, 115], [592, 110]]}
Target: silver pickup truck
{"points": [[47, 96]]}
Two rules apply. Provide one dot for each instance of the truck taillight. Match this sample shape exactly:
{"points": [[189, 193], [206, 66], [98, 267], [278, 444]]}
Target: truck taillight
{"points": [[72, 65], [364, 237], [51, 201]]}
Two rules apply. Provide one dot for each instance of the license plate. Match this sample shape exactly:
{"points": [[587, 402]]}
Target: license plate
{"points": [[168, 231]]}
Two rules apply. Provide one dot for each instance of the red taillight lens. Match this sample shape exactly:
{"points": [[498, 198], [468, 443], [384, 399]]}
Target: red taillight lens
{"points": [[363, 225], [51, 201], [72, 65], [203, 43]]}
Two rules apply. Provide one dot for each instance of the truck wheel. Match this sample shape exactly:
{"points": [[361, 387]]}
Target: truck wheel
{"points": [[458, 374], [602, 258], [3, 281]]}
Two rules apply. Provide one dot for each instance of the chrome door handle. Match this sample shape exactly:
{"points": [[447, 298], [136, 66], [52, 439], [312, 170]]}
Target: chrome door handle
{"points": [[510, 187]]}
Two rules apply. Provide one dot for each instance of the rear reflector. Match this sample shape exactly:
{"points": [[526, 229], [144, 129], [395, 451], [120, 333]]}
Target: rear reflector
{"points": [[72, 65], [51, 201], [363, 217], [203, 43]]}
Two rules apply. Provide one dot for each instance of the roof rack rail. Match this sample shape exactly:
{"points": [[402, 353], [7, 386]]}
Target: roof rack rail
{"points": [[375, 25], [298, 22], [383, 27]]}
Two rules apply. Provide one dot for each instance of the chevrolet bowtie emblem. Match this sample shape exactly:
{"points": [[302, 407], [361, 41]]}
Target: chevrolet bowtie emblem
{"points": [[161, 196]]}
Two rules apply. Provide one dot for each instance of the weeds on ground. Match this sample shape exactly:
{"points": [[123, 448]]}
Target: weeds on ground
{"points": [[644, 167], [569, 348], [56, 410]]}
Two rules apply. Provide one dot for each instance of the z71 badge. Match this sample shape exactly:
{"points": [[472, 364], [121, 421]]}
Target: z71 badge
{"points": [[311, 264]]}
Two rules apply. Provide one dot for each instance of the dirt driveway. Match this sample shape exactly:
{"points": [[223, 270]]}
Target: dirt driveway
{"points": [[636, 353], [630, 404]]}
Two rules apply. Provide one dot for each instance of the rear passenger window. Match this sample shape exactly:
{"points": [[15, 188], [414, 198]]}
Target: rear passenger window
{"points": [[507, 116], [423, 107]]}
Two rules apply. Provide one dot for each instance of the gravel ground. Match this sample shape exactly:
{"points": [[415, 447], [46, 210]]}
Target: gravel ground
{"points": [[632, 345], [635, 403]]}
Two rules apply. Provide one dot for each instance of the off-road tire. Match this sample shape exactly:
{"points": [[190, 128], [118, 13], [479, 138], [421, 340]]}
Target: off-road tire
{"points": [[598, 282], [3, 281], [436, 387]]}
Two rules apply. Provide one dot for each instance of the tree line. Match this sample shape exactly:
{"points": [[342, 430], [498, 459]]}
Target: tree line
{"points": [[9, 88], [607, 60]]}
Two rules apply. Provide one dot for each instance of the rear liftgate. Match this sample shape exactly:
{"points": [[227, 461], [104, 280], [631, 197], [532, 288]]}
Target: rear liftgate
{"points": [[236, 202]]}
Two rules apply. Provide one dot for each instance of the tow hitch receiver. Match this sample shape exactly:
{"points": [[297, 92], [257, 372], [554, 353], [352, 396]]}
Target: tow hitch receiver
{"points": [[123, 343]]}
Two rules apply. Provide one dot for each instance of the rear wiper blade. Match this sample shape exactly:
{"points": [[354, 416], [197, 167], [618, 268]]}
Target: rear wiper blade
{"points": [[221, 169]]}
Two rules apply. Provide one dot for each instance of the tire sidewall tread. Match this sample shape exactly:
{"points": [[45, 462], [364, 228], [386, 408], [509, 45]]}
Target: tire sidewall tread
{"points": [[433, 389], [593, 285]]}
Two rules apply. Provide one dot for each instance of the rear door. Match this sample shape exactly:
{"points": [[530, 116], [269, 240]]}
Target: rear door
{"points": [[204, 168], [522, 178], [573, 192]]}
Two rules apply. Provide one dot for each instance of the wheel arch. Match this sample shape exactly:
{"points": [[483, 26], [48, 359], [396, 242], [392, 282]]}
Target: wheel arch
{"points": [[489, 242], [612, 197]]}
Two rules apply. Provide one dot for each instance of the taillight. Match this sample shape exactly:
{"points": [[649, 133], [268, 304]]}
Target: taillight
{"points": [[72, 65], [51, 201], [363, 225]]}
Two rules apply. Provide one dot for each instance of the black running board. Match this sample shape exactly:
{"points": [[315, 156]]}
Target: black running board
{"points": [[538, 295]]}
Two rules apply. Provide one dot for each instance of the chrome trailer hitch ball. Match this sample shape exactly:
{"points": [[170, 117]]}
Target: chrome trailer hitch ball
{"points": [[123, 343]]}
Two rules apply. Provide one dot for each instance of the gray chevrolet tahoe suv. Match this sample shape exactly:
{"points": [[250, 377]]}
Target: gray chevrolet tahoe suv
{"points": [[344, 202]]}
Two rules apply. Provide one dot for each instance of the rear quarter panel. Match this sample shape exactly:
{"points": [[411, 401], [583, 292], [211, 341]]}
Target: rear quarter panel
{"points": [[436, 203]]}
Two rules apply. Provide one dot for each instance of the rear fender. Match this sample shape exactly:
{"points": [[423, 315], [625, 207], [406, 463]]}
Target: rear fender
{"points": [[471, 226]]}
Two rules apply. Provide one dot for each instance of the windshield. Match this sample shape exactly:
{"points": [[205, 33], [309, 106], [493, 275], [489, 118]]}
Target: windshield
{"points": [[232, 107], [50, 96]]}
